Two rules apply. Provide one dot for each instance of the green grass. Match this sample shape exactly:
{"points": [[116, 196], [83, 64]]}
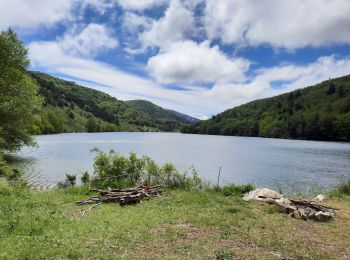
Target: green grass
{"points": [[180, 225]]}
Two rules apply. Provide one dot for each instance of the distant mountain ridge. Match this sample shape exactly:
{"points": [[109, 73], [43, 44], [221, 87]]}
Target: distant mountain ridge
{"points": [[69, 107], [171, 118], [320, 112]]}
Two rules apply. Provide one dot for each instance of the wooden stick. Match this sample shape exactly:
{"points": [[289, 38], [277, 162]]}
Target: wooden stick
{"points": [[93, 206], [217, 184]]}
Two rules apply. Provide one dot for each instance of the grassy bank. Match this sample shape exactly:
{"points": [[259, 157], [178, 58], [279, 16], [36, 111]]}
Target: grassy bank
{"points": [[183, 224]]}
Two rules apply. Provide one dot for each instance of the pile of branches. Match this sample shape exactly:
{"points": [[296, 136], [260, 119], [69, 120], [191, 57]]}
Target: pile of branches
{"points": [[122, 196]]}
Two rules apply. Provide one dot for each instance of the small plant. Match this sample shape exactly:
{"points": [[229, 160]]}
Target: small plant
{"points": [[224, 255], [344, 188], [71, 179], [85, 178], [237, 190], [341, 190]]}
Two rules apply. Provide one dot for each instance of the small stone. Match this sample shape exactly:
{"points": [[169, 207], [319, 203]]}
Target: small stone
{"points": [[296, 214], [320, 197], [285, 205], [324, 216]]}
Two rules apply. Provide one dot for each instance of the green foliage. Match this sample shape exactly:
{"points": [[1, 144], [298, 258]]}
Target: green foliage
{"points": [[237, 190], [5, 170], [5, 187], [80, 109], [71, 179], [85, 178], [320, 112], [115, 170], [224, 255], [92, 125], [345, 188], [18, 99], [266, 126], [170, 120]]}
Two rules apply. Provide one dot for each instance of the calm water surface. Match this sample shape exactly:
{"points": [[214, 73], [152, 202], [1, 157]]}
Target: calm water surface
{"points": [[275, 163]]}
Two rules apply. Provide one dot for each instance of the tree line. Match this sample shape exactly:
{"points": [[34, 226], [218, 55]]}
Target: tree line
{"points": [[320, 112]]}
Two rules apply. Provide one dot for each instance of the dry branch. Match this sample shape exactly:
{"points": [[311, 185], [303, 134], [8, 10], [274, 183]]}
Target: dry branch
{"points": [[122, 196]]}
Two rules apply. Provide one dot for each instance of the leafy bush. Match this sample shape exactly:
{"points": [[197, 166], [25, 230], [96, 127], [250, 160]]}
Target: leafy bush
{"points": [[237, 190], [71, 179], [114, 170], [85, 178]]}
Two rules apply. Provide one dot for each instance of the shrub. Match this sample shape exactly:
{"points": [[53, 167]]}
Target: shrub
{"points": [[71, 179], [237, 190], [85, 178], [114, 170]]}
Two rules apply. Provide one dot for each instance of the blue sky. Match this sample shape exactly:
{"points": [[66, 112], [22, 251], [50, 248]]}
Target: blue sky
{"points": [[198, 57]]}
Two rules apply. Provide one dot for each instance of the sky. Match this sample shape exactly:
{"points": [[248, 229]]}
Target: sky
{"points": [[199, 57]]}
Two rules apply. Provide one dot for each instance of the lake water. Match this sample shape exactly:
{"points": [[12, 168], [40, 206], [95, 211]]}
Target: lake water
{"points": [[275, 163]]}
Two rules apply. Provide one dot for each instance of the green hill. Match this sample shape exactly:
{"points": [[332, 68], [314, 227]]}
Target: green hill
{"points": [[69, 107], [170, 118], [320, 112]]}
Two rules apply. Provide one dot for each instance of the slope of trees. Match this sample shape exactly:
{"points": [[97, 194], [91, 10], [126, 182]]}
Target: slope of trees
{"points": [[169, 118], [320, 112], [69, 107]]}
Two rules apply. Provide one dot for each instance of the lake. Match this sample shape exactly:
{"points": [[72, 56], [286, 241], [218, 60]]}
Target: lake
{"points": [[292, 165]]}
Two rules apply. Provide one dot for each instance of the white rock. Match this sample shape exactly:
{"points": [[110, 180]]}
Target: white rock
{"points": [[320, 197], [262, 194], [285, 205]]}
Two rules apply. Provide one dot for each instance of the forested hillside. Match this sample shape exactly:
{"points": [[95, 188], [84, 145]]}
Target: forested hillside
{"points": [[170, 118], [69, 107], [320, 112]]}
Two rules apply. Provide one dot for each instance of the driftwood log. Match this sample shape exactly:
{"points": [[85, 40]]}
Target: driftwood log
{"points": [[122, 196]]}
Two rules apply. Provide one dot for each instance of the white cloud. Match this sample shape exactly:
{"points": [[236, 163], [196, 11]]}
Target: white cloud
{"points": [[191, 62], [140, 4], [173, 26], [98, 5], [294, 77], [30, 14], [92, 40], [287, 24], [133, 23]]}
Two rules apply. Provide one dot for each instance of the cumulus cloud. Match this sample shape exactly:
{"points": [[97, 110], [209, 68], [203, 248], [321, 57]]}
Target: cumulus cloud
{"points": [[140, 4], [92, 40], [30, 14], [173, 26], [293, 76], [191, 62], [287, 24]]}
